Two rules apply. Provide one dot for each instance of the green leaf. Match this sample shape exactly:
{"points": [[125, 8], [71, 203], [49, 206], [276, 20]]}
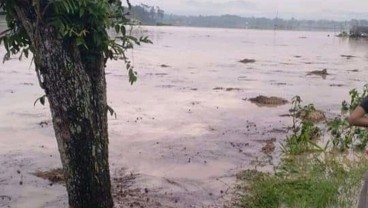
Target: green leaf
{"points": [[41, 99], [123, 30], [117, 28], [132, 76], [111, 111], [81, 12]]}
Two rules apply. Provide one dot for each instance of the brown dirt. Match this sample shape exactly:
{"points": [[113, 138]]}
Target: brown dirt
{"points": [[314, 116], [269, 147], [53, 175], [124, 194], [268, 101]]}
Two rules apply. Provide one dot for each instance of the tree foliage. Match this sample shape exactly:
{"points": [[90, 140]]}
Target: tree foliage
{"points": [[79, 23]]}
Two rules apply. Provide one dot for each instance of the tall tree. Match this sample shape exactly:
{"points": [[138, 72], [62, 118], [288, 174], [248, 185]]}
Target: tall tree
{"points": [[70, 45]]}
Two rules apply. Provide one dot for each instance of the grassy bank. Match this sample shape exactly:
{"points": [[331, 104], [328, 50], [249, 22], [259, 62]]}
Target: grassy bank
{"points": [[315, 181], [313, 172]]}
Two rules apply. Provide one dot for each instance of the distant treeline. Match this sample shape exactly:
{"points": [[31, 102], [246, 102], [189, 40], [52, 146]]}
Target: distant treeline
{"points": [[148, 15], [153, 15], [233, 21]]}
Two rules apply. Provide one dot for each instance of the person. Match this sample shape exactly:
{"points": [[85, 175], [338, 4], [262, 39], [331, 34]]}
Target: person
{"points": [[358, 118]]}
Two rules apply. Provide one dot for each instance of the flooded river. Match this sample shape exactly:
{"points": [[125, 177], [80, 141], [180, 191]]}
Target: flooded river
{"points": [[186, 127]]}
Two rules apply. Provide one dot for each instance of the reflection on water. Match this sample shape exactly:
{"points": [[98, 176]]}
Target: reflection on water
{"points": [[360, 44]]}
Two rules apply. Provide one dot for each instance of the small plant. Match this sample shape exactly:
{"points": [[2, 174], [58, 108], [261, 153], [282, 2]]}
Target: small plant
{"points": [[355, 99], [304, 132], [344, 136], [300, 181], [308, 175]]}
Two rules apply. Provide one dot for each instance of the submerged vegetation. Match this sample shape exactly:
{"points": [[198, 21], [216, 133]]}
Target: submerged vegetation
{"points": [[316, 170]]}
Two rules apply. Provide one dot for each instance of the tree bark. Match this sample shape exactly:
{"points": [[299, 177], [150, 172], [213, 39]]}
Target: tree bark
{"points": [[76, 91], [77, 95]]}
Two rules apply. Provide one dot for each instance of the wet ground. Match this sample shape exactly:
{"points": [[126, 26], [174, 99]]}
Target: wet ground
{"points": [[187, 126]]}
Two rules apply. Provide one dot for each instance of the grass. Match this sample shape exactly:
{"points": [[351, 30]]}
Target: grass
{"points": [[308, 176], [304, 181]]}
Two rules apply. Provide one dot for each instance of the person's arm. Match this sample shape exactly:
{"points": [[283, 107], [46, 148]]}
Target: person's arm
{"points": [[357, 117]]}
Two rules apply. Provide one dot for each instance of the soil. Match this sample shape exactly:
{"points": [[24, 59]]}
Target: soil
{"points": [[314, 116], [53, 175], [269, 148]]}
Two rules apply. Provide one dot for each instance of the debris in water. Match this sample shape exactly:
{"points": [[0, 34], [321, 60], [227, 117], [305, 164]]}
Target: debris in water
{"points": [[269, 147], [347, 56], [318, 72], [53, 175], [268, 101], [247, 61]]}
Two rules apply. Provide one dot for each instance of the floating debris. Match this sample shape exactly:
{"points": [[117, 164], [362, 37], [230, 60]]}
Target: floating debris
{"points": [[347, 56], [279, 83], [233, 89], [228, 89], [318, 72], [268, 101], [247, 61], [164, 66], [336, 85], [354, 70]]}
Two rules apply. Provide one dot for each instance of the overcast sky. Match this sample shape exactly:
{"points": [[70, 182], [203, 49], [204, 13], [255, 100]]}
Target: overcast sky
{"points": [[300, 9]]}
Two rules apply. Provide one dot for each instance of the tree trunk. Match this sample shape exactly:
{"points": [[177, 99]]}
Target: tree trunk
{"points": [[76, 91], [75, 86]]}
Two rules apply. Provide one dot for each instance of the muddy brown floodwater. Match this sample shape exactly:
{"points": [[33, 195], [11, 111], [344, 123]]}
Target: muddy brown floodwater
{"points": [[180, 135]]}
